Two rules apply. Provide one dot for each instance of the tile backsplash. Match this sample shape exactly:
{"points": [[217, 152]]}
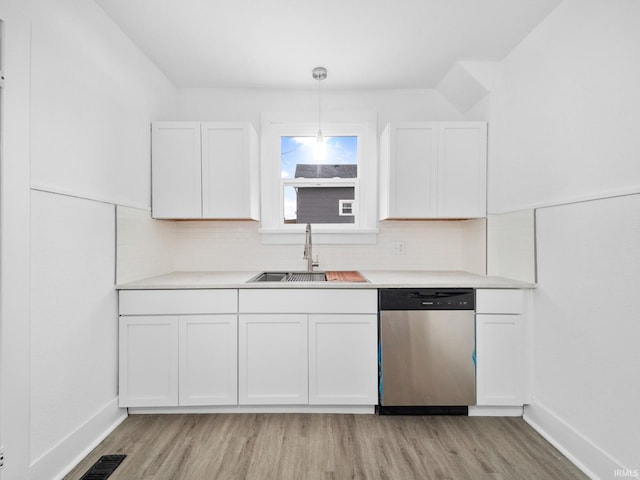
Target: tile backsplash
{"points": [[144, 247], [149, 247]]}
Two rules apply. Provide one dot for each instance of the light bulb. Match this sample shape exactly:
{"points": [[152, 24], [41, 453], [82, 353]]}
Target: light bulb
{"points": [[320, 148]]}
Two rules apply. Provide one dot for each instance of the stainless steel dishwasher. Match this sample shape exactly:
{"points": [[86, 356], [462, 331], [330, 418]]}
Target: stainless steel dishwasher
{"points": [[427, 351]]}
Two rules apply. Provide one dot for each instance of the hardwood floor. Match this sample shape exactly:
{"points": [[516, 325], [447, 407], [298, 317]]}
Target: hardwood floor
{"points": [[316, 446]]}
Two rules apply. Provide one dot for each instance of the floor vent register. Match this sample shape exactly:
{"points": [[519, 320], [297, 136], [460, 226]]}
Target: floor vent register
{"points": [[103, 468]]}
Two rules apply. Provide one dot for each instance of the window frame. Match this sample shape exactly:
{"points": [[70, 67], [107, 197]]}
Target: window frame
{"points": [[360, 124], [341, 207]]}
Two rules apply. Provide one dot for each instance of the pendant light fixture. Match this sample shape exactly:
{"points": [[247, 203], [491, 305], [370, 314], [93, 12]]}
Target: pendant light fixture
{"points": [[320, 150]]}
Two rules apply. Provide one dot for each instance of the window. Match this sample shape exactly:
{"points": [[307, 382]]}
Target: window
{"points": [[346, 207], [316, 178], [332, 187]]}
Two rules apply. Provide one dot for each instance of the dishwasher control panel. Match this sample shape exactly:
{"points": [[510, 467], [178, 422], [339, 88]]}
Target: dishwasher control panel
{"points": [[426, 299]]}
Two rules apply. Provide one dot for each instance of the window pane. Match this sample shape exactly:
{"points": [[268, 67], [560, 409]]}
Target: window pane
{"points": [[302, 157], [317, 204]]}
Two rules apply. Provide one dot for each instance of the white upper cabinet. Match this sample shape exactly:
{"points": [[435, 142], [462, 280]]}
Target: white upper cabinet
{"points": [[462, 170], [433, 170], [176, 171], [230, 171], [205, 170]]}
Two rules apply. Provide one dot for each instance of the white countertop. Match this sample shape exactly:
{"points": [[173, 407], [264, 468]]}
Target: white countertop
{"points": [[377, 279]]}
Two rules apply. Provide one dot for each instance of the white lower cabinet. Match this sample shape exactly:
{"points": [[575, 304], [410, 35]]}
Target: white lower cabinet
{"points": [[324, 356], [174, 351], [208, 360], [148, 361], [295, 359], [272, 362], [259, 347], [500, 347], [171, 360], [343, 359]]}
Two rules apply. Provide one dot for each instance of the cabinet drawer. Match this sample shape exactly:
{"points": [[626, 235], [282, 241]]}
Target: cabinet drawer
{"points": [[177, 302], [308, 301], [499, 301]]}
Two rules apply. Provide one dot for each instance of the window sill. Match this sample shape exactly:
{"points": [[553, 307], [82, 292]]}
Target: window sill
{"points": [[331, 236]]}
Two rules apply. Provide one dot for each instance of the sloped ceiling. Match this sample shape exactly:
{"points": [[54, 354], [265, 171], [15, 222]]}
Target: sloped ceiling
{"points": [[363, 43]]}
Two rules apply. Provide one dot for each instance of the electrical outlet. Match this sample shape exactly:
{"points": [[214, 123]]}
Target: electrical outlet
{"points": [[1, 458], [397, 248]]}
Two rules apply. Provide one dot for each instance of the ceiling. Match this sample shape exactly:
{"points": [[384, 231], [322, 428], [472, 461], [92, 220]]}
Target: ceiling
{"points": [[362, 43]]}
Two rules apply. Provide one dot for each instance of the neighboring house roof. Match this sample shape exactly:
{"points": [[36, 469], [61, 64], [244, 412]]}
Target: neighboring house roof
{"points": [[315, 170]]}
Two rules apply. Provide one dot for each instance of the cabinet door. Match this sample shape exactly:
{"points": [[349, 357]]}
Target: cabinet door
{"points": [[148, 361], [500, 359], [208, 360], [343, 360], [272, 359], [176, 175], [412, 171], [462, 170], [229, 162]]}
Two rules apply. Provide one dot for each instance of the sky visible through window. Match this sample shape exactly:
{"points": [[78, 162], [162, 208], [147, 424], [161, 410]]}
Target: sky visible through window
{"points": [[295, 150], [342, 150]]}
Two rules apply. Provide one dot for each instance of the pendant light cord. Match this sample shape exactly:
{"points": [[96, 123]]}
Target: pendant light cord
{"points": [[320, 137], [319, 73]]}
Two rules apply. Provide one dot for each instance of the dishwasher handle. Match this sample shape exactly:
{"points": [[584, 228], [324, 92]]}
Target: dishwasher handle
{"points": [[434, 295]]}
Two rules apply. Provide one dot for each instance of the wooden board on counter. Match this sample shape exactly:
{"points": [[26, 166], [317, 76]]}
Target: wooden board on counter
{"points": [[345, 276]]}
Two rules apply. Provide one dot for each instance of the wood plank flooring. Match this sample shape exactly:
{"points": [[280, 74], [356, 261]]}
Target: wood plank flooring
{"points": [[329, 447]]}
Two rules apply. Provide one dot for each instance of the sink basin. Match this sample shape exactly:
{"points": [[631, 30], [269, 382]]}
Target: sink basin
{"points": [[289, 277], [269, 277]]}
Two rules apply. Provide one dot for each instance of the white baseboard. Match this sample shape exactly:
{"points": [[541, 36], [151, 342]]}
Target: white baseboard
{"points": [[63, 457], [504, 411], [582, 452]]}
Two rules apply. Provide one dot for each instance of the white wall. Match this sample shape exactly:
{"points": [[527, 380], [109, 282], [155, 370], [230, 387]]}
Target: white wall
{"points": [[246, 104], [586, 331], [14, 242], [73, 374], [76, 140], [511, 249], [564, 115], [564, 127], [92, 96]]}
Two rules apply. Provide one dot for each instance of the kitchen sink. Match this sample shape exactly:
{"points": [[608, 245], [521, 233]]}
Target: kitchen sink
{"points": [[289, 277], [269, 277]]}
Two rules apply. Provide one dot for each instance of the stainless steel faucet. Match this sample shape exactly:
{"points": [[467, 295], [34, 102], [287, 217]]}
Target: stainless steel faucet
{"points": [[308, 250]]}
